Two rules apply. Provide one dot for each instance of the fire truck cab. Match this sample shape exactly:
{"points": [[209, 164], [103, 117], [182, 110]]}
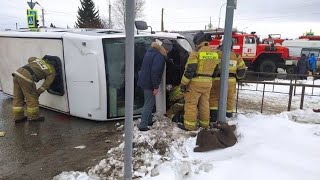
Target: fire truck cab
{"points": [[258, 57]]}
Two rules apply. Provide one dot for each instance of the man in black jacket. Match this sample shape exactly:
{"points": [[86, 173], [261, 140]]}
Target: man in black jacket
{"points": [[150, 78], [303, 67]]}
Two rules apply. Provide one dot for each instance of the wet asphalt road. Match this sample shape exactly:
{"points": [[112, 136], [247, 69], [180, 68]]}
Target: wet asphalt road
{"points": [[41, 150]]}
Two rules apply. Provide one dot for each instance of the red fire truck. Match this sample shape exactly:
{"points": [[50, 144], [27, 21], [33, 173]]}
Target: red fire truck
{"points": [[273, 39], [258, 57]]}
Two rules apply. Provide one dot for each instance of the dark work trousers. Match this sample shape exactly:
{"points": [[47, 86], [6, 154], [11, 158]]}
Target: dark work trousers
{"points": [[149, 102]]}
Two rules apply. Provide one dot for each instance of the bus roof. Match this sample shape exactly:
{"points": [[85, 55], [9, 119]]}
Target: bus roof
{"points": [[94, 33]]}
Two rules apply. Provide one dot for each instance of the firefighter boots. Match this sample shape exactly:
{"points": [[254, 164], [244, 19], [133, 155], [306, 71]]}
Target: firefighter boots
{"points": [[40, 118]]}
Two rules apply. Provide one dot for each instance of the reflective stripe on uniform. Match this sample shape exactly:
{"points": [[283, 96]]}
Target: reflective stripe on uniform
{"points": [[229, 111], [17, 109], [204, 124], [48, 65], [184, 80], [190, 125], [201, 79], [213, 108], [32, 110], [192, 61], [231, 79], [23, 77], [42, 88], [241, 64]]}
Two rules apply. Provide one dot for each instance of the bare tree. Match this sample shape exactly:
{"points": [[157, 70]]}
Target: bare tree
{"points": [[119, 12], [105, 23]]}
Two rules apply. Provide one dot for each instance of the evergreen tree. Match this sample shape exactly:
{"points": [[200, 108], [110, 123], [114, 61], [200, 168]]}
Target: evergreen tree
{"points": [[88, 16]]}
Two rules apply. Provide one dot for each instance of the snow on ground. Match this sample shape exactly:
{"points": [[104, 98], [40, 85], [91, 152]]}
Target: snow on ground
{"points": [[269, 147], [276, 145]]}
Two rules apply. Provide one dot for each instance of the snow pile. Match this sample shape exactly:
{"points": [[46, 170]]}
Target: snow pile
{"points": [[75, 176], [149, 150], [269, 147], [304, 116]]}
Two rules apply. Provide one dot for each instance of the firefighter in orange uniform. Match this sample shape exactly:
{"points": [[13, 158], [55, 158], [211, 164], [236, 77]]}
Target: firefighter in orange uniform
{"points": [[197, 81], [237, 69], [24, 87]]}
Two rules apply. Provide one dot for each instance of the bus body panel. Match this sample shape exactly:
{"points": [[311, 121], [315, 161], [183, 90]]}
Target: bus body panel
{"points": [[86, 80], [14, 53]]}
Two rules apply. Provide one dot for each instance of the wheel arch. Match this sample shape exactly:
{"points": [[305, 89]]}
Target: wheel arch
{"points": [[274, 57]]}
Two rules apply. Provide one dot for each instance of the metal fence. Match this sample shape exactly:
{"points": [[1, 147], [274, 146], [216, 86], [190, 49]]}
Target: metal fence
{"points": [[263, 79]]}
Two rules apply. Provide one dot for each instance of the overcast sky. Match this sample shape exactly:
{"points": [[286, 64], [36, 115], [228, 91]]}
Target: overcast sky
{"points": [[290, 18]]}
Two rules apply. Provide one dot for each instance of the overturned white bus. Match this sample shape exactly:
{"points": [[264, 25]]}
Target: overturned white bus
{"points": [[93, 67]]}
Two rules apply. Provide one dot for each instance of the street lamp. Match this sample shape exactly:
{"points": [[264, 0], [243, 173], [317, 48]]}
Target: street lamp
{"points": [[220, 14]]}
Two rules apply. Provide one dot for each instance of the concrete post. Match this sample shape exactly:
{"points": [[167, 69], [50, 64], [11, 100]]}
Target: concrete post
{"points": [[227, 42], [129, 84]]}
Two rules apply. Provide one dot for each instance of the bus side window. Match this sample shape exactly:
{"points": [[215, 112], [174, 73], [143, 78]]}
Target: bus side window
{"points": [[57, 86]]}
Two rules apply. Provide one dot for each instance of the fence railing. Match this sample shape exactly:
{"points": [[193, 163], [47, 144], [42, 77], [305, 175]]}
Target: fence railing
{"points": [[293, 81]]}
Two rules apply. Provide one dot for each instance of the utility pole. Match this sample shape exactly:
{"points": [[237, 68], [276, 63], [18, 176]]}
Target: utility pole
{"points": [[162, 24], [210, 24], [227, 42], [129, 90], [42, 10], [110, 25]]}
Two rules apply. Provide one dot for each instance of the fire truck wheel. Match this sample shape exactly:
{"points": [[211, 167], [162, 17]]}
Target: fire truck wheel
{"points": [[267, 66], [291, 69]]}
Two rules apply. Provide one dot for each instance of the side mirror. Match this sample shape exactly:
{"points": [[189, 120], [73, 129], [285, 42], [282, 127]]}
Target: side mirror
{"points": [[141, 25]]}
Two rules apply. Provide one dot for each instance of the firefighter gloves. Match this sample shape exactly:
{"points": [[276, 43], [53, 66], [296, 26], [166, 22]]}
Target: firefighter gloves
{"points": [[183, 88]]}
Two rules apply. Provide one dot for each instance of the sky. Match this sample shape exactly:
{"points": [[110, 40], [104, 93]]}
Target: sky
{"points": [[290, 18]]}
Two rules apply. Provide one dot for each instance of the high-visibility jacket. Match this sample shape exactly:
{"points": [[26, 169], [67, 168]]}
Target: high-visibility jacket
{"points": [[237, 66], [201, 64], [37, 69]]}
